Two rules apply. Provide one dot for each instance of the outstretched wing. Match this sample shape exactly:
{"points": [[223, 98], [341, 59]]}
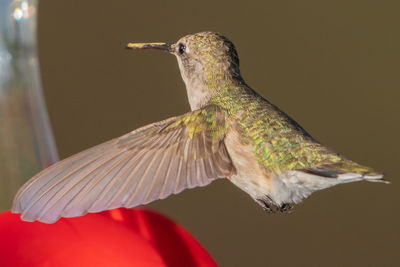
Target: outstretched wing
{"points": [[150, 163]]}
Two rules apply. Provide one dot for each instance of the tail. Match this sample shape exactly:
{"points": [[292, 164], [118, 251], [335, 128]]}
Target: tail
{"points": [[347, 171]]}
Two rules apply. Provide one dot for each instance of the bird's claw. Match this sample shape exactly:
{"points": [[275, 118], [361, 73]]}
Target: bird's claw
{"points": [[271, 207], [286, 208]]}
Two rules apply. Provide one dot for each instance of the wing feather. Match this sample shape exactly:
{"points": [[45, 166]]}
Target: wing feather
{"points": [[144, 165]]}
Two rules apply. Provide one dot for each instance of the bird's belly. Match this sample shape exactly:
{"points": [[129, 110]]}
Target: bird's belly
{"points": [[258, 182], [249, 176]]}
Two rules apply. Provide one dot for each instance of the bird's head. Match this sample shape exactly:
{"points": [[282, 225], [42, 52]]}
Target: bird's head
{"points": [[208, 62]]}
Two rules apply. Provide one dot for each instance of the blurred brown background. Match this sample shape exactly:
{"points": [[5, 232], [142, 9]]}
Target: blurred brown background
{"points": [[331, 65]]}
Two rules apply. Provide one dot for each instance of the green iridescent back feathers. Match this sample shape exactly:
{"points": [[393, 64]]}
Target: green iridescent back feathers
{"points": [[278, 141]]}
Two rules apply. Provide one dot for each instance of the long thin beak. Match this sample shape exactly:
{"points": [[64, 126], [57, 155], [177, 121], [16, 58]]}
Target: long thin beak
{"points": [[159, 46]]}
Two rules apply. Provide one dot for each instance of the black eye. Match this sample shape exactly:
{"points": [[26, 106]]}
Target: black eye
{"points": [[181, 48]]}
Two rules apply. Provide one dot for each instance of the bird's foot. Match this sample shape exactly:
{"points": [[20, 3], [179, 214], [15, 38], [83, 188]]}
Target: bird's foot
{"points": [[286, 208], [267, 204], [271, 207]]}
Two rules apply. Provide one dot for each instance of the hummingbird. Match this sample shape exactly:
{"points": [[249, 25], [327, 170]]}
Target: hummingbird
{"points": [[231, 132]]}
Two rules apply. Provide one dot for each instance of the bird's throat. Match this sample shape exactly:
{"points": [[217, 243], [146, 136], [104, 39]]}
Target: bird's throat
{"points": [[201, 88]]}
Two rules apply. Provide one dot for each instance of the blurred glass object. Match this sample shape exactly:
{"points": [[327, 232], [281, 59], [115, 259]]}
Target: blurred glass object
{"points": [[26, 140]]}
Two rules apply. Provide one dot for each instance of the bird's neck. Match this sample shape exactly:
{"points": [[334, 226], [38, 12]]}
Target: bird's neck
{"points": [[201, 88]]}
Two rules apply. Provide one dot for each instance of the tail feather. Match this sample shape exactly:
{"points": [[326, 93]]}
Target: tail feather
{"points": [[346, 170]]}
